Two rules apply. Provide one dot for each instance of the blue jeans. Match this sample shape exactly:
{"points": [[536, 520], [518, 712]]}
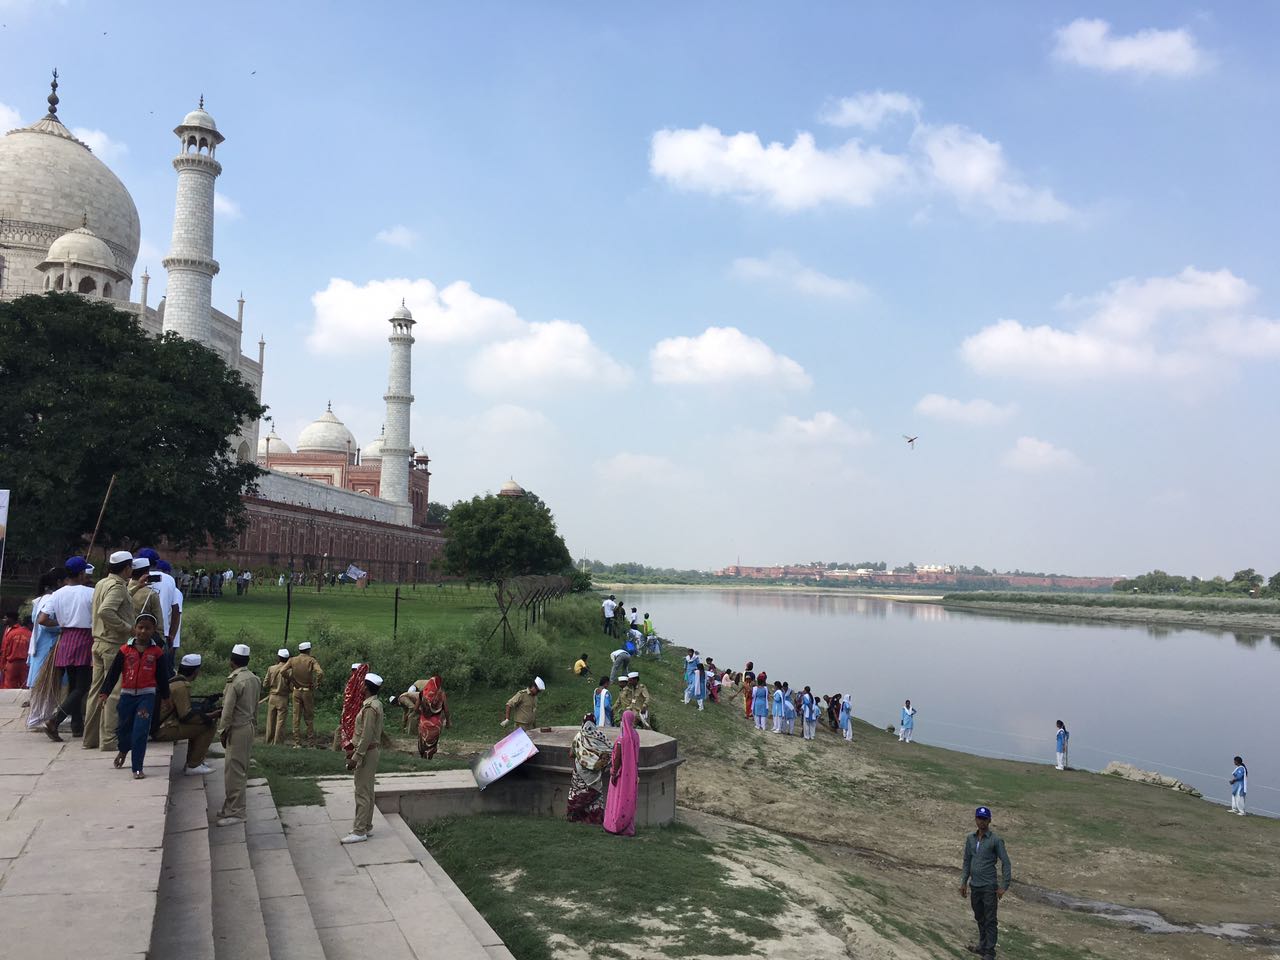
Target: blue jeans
{"points": [[134, 726]]}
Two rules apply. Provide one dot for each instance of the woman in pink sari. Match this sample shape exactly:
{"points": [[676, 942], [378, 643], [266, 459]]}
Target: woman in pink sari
{"points": [[620, 806]]}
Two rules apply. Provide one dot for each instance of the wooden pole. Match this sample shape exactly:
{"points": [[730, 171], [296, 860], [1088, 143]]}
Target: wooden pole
{"points": [[102, 512]]}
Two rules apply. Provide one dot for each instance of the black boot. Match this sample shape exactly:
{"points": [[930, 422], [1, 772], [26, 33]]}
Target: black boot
{"points": [[51, 726]]}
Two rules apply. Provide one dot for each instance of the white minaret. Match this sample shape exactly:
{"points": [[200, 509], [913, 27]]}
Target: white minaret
{"points": [[396, 450], [188, 299]]}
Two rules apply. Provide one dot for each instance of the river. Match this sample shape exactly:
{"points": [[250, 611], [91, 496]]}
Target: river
{"points": [[1180, 701]]}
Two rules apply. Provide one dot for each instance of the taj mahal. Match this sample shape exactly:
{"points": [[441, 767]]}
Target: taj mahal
{"points": [[67, 223]]}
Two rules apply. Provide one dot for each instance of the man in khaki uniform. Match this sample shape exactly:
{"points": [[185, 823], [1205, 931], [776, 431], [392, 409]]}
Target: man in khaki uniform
{"points": [[634, 696], [179, 721], [113, 620], [363, 761], [235, 731], [305, 673], [278, 686], [523, 707]]}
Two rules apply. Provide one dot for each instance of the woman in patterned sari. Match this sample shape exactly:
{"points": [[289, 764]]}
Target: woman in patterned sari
{"points": [[433, 716], [352, 700], [591, 752]]}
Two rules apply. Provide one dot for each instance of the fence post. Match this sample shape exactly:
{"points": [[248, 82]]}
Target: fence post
{"points": [[395, 618], [288, 606]]}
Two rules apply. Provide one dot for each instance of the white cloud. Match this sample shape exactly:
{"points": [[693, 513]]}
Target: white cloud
{"points": [[869, 110], [1030, 455], [1090, 43], [798, 177], [225, 207], [976, 412], [1160, 326], [510, 418], [785, 269], [644, 469], [354, 317], [973, 169], [100, 143], [823, 428], [397, 236], [9, 118], [556, 352], [951, 159], [723, 355]]}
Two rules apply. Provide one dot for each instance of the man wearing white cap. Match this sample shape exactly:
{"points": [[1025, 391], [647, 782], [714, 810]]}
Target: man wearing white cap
{"points": [[363, 758], [235, 731], [305, 673], [523, 707], [279, 686], [634, 696], [182, 721], [113, 619]]}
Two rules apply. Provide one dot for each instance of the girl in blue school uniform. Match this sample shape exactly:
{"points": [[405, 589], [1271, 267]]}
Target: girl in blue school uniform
{"points": [[788, 710], [776, 697], [760, 702], [698, 685], [1239, 786], [846, 717]]}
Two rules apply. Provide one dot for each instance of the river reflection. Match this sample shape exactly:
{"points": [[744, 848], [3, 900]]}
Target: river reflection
{"points": [[1179, 700]]}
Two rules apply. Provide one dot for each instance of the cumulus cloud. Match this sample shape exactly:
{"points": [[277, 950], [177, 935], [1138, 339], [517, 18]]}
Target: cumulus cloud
{"points": [[100, 143], [1030, 455], [869, 110], [948, 159], [721, 355], [823, 428], [784, 269], [1159, 326], [644, 469], [9, 118], [976, 412], [353, 317], [556, 352], [975, 172], [796, 177], [397, 236], [225, 207], [1090, 43], [506, 419]]}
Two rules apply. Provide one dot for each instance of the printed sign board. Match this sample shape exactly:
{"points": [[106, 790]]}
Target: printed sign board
{"points": [[505, 755]]}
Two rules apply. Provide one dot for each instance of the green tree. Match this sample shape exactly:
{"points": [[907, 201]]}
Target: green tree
{"points": [[87, 394], [437, 512], [493, 538]]}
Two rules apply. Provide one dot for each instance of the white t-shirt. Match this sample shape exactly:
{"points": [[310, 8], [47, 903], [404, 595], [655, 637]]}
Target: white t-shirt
{"points": [[609, 607], [72, 606], [36, 606], [177, 637], [635, 618], [168, 592]]}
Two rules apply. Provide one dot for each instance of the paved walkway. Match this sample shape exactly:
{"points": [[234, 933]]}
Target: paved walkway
{"points": [[80, 845]]}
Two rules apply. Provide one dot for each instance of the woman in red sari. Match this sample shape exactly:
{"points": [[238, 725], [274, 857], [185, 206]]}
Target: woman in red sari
{"points": [[352, 699], [433, 716]]}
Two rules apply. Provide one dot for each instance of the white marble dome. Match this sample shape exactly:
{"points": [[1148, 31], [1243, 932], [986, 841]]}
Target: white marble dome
{"points": [[326, 434], [374, 450], [84, 247], [199, 118], [511, 489], [277, 444], [51, 183]]}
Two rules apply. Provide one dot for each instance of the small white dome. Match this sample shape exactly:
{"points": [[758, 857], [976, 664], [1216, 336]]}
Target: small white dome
{"points": [[326, 434], [402, 313], [82, 246], [374, 450], [277, 444], [199, 118], [511, 489]]}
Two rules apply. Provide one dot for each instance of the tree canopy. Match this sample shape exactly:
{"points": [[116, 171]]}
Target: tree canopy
{"points": [[87, 394], [493, 538]]}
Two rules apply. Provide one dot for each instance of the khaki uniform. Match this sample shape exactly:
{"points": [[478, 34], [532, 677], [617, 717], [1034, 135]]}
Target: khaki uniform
{"points": [[524, 710], [305, 672], [367, 740], [278, 685], [177, 722], [236, 728], [633, 698], [112, 625]]}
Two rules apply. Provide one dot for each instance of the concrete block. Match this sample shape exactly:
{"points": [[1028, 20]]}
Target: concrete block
{"points": [[184, 913], [303, 816], [266, 841], [238, 930], [291, 932], [364, 940], [229, 856], [14, 837], [73, 924], [339, 901], [231, 834], [275, 874], [92, 872], [316, 852], [422, 912], [191, 846]]}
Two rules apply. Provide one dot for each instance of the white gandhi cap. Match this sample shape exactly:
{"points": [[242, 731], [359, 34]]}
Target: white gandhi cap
{"points": [[192, 660], [356, 666], [282, 652], [305, 645], [537, 682], [141, 563], [373, 678], [120, 556], [633, 675], [240, 650]]}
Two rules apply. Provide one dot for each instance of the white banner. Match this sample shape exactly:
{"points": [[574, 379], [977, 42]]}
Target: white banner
{"points": [[505, 755], [355, 573]]}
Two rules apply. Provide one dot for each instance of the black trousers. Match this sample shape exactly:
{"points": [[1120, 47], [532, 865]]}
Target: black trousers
{"points": [[984, 902], [79, 680]]}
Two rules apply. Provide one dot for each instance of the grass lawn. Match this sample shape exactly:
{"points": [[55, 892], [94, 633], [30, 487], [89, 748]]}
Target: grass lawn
{"points": [[520, 871]]}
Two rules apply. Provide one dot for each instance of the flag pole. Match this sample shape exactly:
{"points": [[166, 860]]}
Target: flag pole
{"points": [[98, 526]]}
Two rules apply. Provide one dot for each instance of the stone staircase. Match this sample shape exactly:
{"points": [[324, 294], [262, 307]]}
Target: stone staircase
{"points": [[281, 886]]}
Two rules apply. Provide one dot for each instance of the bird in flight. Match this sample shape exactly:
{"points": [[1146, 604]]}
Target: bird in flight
{"points": [[911, 441]]}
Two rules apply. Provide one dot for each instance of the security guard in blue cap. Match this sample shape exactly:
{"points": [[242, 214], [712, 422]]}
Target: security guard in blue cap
{"points": [[982, 849]]}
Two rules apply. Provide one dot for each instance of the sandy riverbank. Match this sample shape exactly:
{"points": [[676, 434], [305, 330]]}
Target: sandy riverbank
{"points": [[1248, 624]]}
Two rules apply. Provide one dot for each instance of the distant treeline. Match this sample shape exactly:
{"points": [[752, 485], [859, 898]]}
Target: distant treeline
{"points": [[1243, 583], [1202, 604]]}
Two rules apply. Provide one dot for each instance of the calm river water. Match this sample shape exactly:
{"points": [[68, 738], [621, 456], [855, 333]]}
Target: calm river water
{"points": [[1183, 702]]}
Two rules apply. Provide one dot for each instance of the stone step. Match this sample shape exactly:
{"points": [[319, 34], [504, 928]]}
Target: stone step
{"points": [[184, 908], [239, 931], [291, 930]]}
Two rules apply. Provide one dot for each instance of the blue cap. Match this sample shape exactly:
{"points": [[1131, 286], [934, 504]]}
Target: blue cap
{"points": [[982, 813], [76, 565], [150, 554], [164, 565]]}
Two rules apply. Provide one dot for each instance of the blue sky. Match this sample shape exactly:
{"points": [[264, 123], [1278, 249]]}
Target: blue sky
{"points": [[690, 271]]}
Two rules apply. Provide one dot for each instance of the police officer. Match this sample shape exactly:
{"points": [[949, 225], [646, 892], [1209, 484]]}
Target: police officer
{"points": [[305, 672], [235, 731], [363, 759], [279, 686]]}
